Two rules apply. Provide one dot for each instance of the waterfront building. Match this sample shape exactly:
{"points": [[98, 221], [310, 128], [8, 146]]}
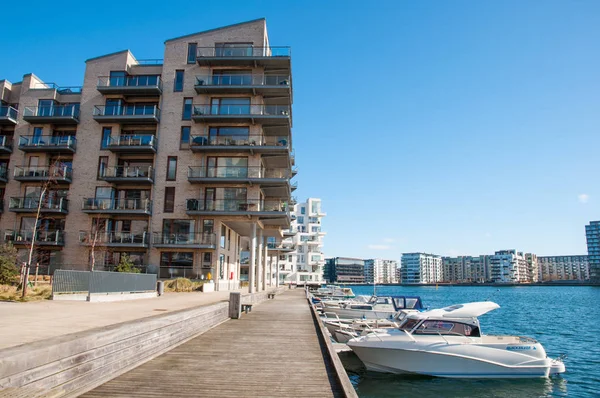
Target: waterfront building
{"points": [[381, 271], [511, 266], [179, 163], [345, 270], [421, 268], [552, 268], [592, 234]]}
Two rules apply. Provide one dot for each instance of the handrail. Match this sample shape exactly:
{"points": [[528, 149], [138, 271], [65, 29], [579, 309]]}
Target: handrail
{"points": [[238, 172], [59, 89], [130, 81], [242, 51], [116, 204], [43, 171], [41, 235], [128, 172], [6, 141], [132, 140], [239, 140], [59, 203], [127, 110], [47, 140], [233, 205], [186, 238], [68, 110], [8, 111], [113, 237], [240, 109], [246, 79]]}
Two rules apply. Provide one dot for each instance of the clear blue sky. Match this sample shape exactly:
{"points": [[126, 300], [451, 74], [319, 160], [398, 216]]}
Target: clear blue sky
{"points": [[453, 127]]}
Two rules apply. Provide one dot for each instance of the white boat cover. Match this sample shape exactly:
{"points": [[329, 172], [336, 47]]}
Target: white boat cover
{"points": [[467, 310]]}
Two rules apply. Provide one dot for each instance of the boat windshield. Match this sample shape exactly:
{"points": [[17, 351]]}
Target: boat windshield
{"points": [[447, 327], [409, 324]]}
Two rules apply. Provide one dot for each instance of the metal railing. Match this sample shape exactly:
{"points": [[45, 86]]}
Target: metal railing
{"points": [[42, 236], [279, 245], [107, 238], [237, 172], [242, 52], [236, 205], [117, 204], [27, 141], [59, 89], [52, 111], [67, 281], [150, 61], [8, 111], [133, 140], [128, 172], [59, 172], [237, 140], [127, 110], [58, 204], [189, 238], [249, 79], [236, 110], [141, 81]]}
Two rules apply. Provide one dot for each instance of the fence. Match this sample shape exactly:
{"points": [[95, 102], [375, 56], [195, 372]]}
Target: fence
{"points": [[66, 281]]}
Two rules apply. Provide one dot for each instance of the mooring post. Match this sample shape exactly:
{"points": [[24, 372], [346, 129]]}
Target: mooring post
{"points": [[235, 305]]}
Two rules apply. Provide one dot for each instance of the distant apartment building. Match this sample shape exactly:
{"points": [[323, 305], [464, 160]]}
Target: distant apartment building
{"points": [[381, 271], [466, 269], [511, 266], [180, 164], [421, 268], [592, 234], [345, 270], [560, 268]]}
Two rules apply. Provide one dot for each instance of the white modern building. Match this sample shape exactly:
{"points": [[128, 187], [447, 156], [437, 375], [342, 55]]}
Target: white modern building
{"points": [[511, 266], [381, 271], [553, 268], [421, 268]]}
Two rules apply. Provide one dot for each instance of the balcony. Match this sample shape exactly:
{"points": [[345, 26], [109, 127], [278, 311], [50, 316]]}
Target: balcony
{"points": [[30, 205], [127, 114], [128, 175], [136, 143], [8, 115], [130, 85], [114, 239], [267, 115], [252, 84], [3, 174], [184, 240], [289, 232], [42, 237], [263, 208], [48, 144], [58, 174], [117, 206], [281, 247], [6, 144], [55, 114], [239, 175], [232, 143], [266, 57]]}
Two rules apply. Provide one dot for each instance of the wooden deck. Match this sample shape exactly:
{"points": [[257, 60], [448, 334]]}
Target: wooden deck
{"points": [[274, 351]]}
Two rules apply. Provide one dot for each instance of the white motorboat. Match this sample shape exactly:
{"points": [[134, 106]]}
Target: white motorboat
{"points": [[447, 342], [375, 308]]}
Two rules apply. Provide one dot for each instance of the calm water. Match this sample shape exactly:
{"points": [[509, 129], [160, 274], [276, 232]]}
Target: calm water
{"points": [[564, 319]]}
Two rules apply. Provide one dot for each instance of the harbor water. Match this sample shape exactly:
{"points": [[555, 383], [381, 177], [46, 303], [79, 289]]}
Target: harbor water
{"points": [[564, 319]]}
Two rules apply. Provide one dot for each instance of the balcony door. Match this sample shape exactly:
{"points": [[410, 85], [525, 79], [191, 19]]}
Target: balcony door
{"points": [[45, 107]]}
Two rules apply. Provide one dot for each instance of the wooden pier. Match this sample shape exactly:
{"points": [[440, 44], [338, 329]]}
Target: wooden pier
{"points": [[274, 351]]}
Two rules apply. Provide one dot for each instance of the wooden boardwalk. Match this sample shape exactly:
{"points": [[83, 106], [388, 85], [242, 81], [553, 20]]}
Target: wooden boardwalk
{"points": [[274, 351]]}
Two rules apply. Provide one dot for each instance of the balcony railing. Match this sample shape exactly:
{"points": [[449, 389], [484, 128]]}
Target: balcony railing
{"points": [[135, 113], [8, 115], [242, 52], [200, 110], [142, 84], [3, 174], [183, 239], [238, 172], [261, 84], [43, 173], [133, 143], [66, 90], [114, 238], [49, 205], [236, 205], [52, 114], [281, 246], [142, 174], [6, 144], [132, 206], [41, 143], [238, 140], [42, 237]]}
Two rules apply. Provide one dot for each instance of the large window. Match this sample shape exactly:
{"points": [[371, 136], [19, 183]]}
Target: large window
{"points": [[232, 77], [106, 132], [233, 49], [223, 167], [230, 106], [192, 50], [178, 81], [102, 165], [184, 141], [223, 232], [187, 109], [171, 168], [229, 135], [177, 264], [169, 206]]}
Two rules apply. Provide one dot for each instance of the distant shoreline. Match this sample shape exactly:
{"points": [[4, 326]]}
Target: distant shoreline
{"points": [[553, 284]]}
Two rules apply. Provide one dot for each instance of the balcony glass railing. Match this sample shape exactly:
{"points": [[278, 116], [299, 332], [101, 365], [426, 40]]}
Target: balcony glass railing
{"points": [[243, 80], [141, 81], [8, 111], [144, 205], [235, 205], [127, 110], [185, 238], [239, 110], [56, 204], [135, 140], [3, 172], [128, 172], [58, 172], [6, 141], [60, 90], [237, 172], [116, 238], [282, 246], [30, 141], [238, 140], [41, 236], [53, 111], [242, 51]]}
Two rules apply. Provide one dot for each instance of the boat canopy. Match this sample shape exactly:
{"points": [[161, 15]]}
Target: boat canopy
{"points": [[457, 311]]}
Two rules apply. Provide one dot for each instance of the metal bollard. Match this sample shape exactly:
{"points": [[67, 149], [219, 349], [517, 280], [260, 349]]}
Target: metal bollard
{"points": [[160, 287]]}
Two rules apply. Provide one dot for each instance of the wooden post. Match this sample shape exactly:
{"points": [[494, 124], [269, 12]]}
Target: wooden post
{"points": [[24, 293], [37, 268], [235, 305]]}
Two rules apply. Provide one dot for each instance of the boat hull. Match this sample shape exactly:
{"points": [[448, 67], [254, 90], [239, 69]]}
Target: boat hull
{"points": [[346, 313]]}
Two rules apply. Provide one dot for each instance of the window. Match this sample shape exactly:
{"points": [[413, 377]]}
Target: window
{"points": [[230, 106], [303, 210], [177, 264], [169, 200], [300, 220], [208, 226], [233, 49], [229, 240], [229, 136], [171, 168], [106, 132], [37, 135], [178, 81], [102, 165], [192, 50], [187, 109], [223, 232], [184, 140]]}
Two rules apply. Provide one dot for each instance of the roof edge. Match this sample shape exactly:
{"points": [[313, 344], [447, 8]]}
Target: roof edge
{"points": [[106, 55], [217, 29]]}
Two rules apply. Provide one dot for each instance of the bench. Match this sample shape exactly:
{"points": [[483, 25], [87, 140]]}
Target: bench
{"points": [[270, 295], [247, 308]]}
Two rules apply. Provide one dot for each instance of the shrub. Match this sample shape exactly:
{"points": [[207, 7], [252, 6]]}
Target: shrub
{"points": [[126, 265], [9, 271]]}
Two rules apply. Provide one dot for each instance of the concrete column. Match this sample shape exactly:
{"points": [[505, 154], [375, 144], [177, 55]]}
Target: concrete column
{"points": [[252, 270], [277, 271], [264, 278], [259, 261]]}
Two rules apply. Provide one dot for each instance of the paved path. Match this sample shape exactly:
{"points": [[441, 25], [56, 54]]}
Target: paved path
{"points": [[22, 323], [272, 352]]}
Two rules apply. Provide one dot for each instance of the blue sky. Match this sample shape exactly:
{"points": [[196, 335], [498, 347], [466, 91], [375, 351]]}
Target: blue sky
{"points": [[452, 127]]}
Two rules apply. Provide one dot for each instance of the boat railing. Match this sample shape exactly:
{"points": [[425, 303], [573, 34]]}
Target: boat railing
{"points": [[331, 313], [372, 331]]}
